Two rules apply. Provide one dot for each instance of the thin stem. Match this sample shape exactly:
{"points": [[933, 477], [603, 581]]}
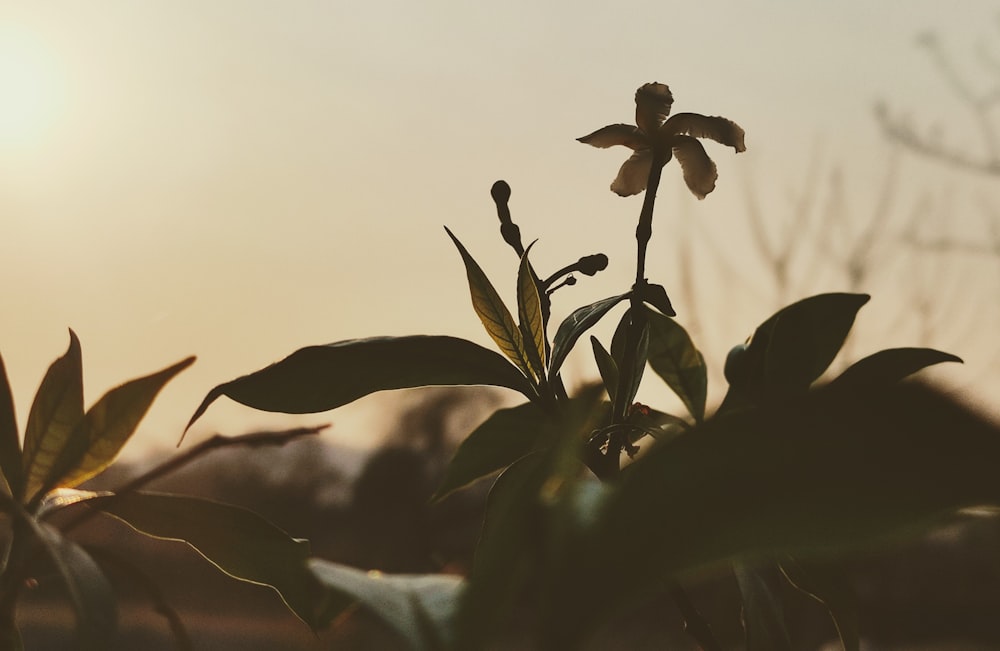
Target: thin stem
{"points": [[644, 231], [181, 460]]}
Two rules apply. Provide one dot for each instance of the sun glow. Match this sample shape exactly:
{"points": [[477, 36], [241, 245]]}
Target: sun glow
{"points": [[31, 91]]}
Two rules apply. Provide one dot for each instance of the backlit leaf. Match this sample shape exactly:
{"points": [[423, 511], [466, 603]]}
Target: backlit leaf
{"points": [[529, 313], [98, 438], [55, 412], [575, 325], [320, 378], [673, 356], [492, 312], [420, 607], [237, 541]]}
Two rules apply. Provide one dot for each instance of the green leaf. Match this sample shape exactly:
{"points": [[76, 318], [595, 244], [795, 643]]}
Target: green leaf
{"points": [[421, 608], [606, 366], [492, 311], [320, 378], [499, 441], [575, 325], [763, 612], [529, 313], [827, 583], [88, 589], [98, 437], [10, 447], [803, 339], [55, 412], [237, 541], [673, 356], [630, 350], [889, 366]]}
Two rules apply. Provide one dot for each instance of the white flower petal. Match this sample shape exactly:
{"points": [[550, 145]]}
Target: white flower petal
{"points": [[652, 106], [634, 174], [616, 134], [717, 128], [699, 170]]}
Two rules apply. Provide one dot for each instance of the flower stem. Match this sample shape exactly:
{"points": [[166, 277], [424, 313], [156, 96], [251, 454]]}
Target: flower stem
{"points": [[645, 228]]}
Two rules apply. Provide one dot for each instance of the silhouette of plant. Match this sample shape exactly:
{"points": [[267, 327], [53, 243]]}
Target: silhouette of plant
{"points": [[769, 490], [63, 446]]}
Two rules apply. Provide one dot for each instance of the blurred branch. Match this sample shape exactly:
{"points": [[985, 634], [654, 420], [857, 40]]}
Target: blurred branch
{"points": [[980, 104]]}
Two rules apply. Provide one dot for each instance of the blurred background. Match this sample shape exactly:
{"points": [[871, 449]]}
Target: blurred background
{"points": [[239, 179]]}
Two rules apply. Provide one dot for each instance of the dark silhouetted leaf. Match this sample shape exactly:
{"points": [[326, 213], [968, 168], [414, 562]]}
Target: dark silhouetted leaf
{"points": [[763, 612], [89, 591], [55, 413], [821, 473], [492, 312], [630, 350], [575, 325], [829, 585], [656, 296], [803, 338], [237, 541], [673, 356], [529, 313], [98, 437], [320, 378], [499, 441], [607, 367], [421, 608], [10, 447], [889, 366]]}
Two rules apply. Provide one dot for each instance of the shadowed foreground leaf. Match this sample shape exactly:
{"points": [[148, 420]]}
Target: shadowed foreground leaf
{"points": [[88, 589], [321, 378], [824, 582], [816, 475], [97, 439], [421, 608], [499, 441], [237, 541], [888, 366]]}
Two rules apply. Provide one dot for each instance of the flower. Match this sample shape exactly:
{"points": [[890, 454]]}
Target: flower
{"points": [[657, 137]]}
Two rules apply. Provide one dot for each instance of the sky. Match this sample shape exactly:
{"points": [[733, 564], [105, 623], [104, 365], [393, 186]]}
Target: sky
{"points": [[238, 179]]}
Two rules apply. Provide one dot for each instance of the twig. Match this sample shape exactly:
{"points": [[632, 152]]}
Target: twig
{"points": [[217, 442]]}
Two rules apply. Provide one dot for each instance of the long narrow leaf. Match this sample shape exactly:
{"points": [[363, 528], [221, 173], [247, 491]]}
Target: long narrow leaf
{"points": [[575, 325], [607, 367], [320, 378], [888, 366], [10, 448], [492, 312], [55, 412], [529, 313], [237, 541], [99, 437]]}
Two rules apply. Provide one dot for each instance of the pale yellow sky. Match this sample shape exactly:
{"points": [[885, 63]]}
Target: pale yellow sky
{"points": [[239, 179]]}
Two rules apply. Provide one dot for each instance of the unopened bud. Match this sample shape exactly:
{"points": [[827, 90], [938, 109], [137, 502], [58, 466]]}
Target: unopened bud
{"points": [[591, 264]]}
